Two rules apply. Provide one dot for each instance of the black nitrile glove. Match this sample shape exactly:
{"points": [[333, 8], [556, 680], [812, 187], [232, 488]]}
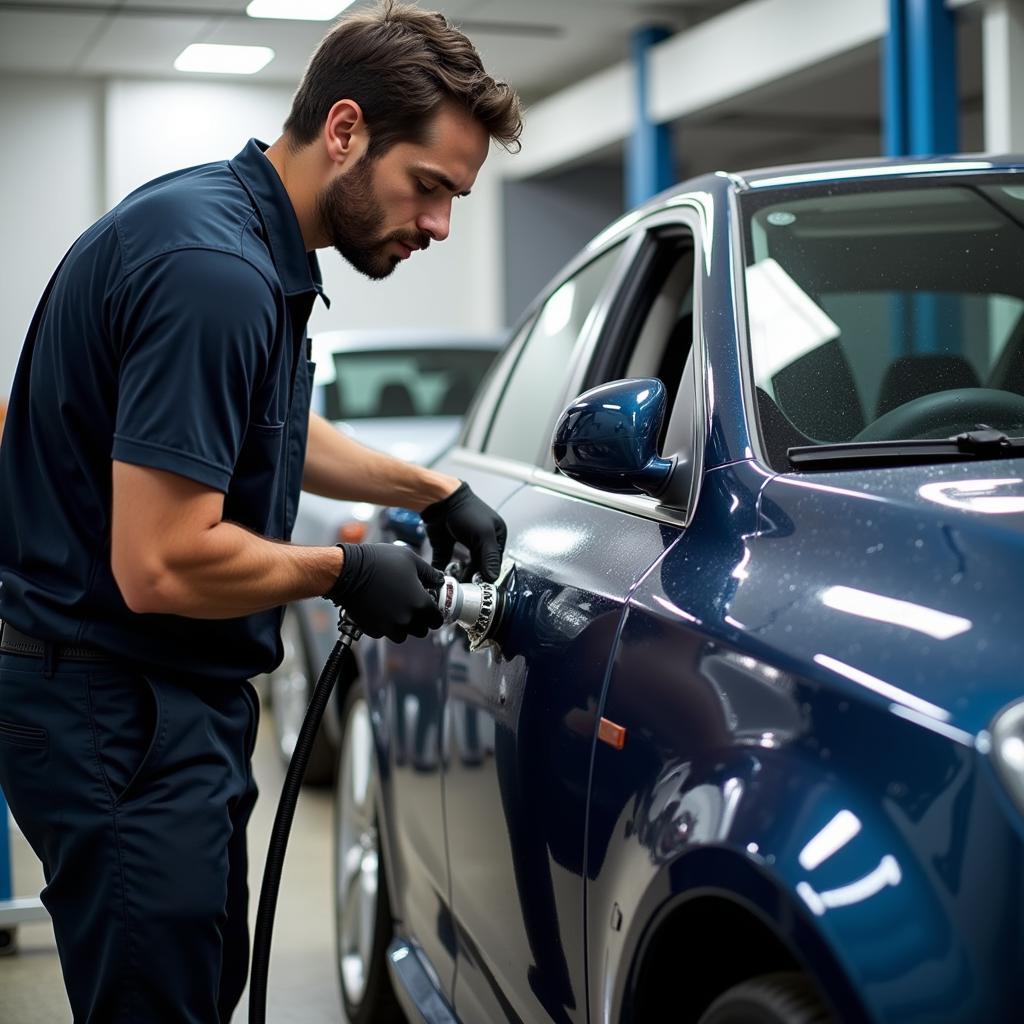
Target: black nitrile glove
{"points": [[463, 517], [383, 589]]}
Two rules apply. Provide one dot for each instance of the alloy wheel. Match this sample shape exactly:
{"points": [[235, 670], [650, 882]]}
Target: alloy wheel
{"points": [[357, 857], [290, 686]]}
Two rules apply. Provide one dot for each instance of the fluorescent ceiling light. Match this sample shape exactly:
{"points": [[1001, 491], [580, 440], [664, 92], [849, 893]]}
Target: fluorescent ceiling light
{"points": [[297, 10], [213, 58]]}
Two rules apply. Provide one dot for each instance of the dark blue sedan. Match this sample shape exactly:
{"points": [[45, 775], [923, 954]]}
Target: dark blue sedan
{"points": [[748, 743]]}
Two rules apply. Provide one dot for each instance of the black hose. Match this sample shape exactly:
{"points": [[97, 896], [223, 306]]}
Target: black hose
{"points": [[283, 823]]}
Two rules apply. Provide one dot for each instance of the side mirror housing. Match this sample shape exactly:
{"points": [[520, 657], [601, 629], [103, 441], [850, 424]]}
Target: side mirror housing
{"points": [[608, 437]]}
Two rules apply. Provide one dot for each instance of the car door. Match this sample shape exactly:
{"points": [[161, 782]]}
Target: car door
{"points": [[520, 715]]}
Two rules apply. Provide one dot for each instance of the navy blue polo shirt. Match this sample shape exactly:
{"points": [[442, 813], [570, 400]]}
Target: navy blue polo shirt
{"points": [[174, 337]]}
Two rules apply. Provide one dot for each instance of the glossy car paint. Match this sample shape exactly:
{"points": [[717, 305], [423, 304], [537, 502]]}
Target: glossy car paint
{"points": [[516, 797], [405, 685], [796, 744]]}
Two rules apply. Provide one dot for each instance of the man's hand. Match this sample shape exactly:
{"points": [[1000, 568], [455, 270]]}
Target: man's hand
{"points": [[383, 589], [463, 517]]}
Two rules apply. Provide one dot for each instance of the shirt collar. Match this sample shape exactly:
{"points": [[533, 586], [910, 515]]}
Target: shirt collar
{"points": [[299, 270]]}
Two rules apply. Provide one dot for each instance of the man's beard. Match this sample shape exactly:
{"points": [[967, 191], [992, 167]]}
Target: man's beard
{"points": [[352, 218]]}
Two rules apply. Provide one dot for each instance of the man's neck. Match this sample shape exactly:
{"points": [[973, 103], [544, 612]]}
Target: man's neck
{"points": [[297, 174]]}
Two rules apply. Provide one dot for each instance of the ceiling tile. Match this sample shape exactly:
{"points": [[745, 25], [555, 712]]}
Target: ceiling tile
{"points": [[146, 46], [293, 43], [44, 42], [192, 5]]}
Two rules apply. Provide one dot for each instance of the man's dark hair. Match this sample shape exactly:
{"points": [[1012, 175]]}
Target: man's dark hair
{"points": [[400, 64]]}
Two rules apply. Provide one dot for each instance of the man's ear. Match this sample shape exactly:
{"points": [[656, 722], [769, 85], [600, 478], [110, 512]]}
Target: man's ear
{"points": [[345, 133]]}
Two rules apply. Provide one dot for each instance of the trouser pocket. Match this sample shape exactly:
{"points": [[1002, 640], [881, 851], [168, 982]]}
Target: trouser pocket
{"points": [[125, 710], [22, 735]]}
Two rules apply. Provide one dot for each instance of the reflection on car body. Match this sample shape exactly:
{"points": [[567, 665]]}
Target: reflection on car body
{"points": [[809, 665]]}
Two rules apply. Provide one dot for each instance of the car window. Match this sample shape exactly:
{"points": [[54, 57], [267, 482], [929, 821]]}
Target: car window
{"points": [[650, 334], [402, 382], [526, 413], [886, 312]]}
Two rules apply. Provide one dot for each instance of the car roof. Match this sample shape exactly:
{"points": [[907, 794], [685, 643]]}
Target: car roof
{"points": [[879, 167], [720, 183], [374, 339]]}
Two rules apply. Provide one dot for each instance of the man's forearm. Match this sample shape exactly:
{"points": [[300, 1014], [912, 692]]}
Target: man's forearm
{"points": [[172, 553], [339, 467], [227, 572]]}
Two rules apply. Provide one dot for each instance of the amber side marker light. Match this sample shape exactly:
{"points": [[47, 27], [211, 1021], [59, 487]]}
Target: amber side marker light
{"points": [[352, 532], [612, 734]]}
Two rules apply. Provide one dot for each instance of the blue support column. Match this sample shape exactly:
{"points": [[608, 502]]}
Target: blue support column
{"points": [[921, 116], [649, 164], [894, 83], [5, 853], [931, 78]]}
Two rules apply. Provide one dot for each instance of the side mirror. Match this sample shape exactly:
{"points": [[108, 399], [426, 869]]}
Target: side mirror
{"points": [[402, 524], [608, 437]]}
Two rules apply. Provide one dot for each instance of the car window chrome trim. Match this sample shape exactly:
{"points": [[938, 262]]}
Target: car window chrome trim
{"points": [[636, 504], [492, 464]]}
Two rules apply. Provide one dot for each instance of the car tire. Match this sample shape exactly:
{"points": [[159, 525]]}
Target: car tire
{"points": [[783, 998], [290, 686], [364, 926]]}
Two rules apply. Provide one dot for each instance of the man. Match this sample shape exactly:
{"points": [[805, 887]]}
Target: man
{"points": [[158, 434]]}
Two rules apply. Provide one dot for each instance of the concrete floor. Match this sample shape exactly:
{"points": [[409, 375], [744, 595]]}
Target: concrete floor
{"points": [[303, 984]]}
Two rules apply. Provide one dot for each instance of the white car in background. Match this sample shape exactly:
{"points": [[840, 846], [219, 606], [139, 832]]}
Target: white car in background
{"points": [[400, 391]]}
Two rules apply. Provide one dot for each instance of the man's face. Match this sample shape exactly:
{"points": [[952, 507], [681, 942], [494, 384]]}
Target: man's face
{"points": [[378, 212]]}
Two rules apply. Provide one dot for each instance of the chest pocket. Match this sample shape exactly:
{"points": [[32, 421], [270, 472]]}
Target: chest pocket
{"points": [[253, 499]]}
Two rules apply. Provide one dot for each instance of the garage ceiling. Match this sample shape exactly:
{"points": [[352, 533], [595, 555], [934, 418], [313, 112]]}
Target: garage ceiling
{"points": [[540, 45]]}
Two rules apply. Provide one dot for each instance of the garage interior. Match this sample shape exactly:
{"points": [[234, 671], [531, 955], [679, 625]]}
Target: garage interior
{"points": [[624, 98]]}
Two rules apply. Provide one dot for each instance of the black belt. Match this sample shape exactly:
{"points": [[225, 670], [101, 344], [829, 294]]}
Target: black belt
{"points": [[13, 641]]}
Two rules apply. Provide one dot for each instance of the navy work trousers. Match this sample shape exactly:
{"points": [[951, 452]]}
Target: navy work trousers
{"points": [[134, 790]]}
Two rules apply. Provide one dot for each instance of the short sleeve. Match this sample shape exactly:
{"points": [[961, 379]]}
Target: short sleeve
{"points": [[195, 329]]}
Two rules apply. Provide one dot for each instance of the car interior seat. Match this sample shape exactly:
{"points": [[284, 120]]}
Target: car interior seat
{"points": [[456, 398], [910, 377], [395, 399], [1008, 372]]}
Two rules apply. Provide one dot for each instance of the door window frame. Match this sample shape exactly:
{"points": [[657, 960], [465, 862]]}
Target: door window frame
{"points": [[591, 344]]}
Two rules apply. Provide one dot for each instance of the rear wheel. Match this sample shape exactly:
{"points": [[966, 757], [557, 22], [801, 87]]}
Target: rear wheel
{"points": [[291, 686], [783, 998], [363, 923]]}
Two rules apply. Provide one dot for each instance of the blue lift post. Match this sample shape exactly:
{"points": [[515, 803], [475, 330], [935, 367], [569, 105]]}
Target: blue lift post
{"points": [[5, 854], [650, 168], [12, 912], [921, 118]]}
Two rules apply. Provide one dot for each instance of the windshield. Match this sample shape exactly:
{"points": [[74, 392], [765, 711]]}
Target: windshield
{"points": [[886, 311], [390, 383]]}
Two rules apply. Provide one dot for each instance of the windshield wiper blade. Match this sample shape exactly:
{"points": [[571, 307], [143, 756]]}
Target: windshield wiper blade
{"points": [[982, 443]]}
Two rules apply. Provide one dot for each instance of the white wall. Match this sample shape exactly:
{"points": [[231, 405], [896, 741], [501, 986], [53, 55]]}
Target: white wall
{"points": [[1003, 61], [73, 148], [51, 190], [156, 127]]}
